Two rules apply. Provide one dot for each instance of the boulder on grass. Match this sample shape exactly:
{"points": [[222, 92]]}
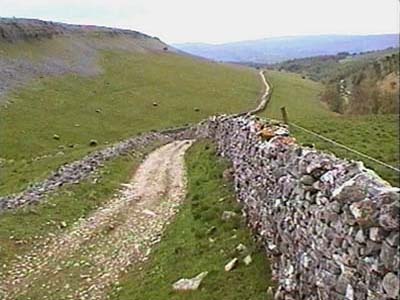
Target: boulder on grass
{"points": [[247, 260], [231, 265], [185, 284], [227, 215]]}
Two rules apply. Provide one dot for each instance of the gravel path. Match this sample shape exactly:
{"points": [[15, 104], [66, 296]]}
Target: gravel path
{"points": [[90, 257], [262, 105], [265, 97]]}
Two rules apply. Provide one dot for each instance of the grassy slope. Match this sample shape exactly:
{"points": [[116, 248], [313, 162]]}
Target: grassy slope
{"points": [[185, 250], [124, 93], [376, 135]]}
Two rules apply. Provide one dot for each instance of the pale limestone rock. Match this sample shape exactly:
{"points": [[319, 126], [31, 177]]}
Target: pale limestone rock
{"points": [[231, 265], [185, 284]]}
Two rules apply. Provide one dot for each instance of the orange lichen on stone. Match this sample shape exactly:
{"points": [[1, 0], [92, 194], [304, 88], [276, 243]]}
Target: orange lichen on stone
{"points": [[287, 140], [267, 133]]}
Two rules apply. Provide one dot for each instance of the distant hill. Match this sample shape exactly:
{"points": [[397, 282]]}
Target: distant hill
{"points": [[331, 68], [272, 50]]}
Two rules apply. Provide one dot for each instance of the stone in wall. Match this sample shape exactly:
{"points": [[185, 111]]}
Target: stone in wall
{"points": [[329, 226], [77, 171]]}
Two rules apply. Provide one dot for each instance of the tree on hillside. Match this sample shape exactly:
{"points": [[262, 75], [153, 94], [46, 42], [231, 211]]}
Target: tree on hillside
{"points": [[377, 69], [374, 101], [389, 103], [367, 98], [359, 103], [332, 97], [358, 78]]}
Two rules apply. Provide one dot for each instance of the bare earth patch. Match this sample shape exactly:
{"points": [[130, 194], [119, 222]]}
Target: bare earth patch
{"points": [[84, 261]]}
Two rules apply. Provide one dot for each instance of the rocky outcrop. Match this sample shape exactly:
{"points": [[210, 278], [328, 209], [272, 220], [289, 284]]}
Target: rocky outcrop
{"points": [[17, 29], [59, 49], [330, 226], [12, 30]]}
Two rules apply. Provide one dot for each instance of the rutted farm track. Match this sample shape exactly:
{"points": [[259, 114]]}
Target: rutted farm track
{"points": [[76, 171], [87, 259]]}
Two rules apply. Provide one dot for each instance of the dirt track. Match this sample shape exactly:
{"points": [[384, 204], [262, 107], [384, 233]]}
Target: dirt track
{"points": [[91, 256], [264, 98]]}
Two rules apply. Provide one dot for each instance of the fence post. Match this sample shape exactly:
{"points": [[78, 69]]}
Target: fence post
{"points": [[284, 115]]}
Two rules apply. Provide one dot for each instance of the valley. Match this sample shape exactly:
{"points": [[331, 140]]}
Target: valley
{"points": [[374, 135], [131, 170], [55, 118], [76, 93]]}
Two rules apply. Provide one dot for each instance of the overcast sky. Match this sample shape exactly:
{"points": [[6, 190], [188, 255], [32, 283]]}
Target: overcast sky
{"points": [[218, 21]]}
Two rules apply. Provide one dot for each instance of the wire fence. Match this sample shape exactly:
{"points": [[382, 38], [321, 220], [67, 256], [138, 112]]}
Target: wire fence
{"points": [[389, 172], [346, 147]]}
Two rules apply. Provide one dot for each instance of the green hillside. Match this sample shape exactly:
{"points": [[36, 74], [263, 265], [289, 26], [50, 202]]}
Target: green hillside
{"points": [[326, 68], [78, 88], [374, 135], [361, 84], [67, 90], [112, 105]]}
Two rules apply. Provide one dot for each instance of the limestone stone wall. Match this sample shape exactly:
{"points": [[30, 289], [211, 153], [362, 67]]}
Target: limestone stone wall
{"points": [[329, 226], [76, 171]]}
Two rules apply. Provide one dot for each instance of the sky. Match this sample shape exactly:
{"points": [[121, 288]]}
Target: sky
{"points": [[218, 21]]}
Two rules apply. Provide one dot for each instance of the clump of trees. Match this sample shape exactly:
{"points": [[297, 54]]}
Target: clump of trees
{"points": [[369, 99], [333, 98], [353, 82], [362, 93]]}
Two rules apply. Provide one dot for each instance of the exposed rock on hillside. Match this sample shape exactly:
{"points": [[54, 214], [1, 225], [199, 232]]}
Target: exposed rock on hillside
{"points": [[12, 30], [16, 29], [32, 49]]}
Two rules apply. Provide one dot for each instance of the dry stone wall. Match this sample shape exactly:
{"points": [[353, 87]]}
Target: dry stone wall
{"points": [[75, 172], [329, 226]]}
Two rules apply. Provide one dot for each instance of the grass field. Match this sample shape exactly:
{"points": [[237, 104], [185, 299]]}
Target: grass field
{"points": [[187, 249], [111, 106], [375, 135], [108, 107]]}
